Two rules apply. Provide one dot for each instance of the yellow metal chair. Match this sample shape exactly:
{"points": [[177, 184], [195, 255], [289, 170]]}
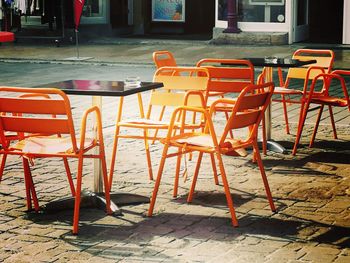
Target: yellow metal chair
{"points": [[246, 111], [324, 64], [48, 132], [186, 85]]}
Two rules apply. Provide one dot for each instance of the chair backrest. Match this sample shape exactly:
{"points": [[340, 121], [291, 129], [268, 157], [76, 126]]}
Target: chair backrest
{"points": [[164, 58], [324, 58], [228, 75], [27, 110], [248, 110], [178, 85]]}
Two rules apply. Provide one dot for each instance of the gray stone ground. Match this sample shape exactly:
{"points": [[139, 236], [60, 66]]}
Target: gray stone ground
{"points": [[311, 192]]}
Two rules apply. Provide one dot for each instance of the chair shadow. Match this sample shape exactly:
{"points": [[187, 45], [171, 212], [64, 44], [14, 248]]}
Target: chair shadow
{"points": [[216, 199], [298, 164], [273, 226], [330, 145], [289, 229]]}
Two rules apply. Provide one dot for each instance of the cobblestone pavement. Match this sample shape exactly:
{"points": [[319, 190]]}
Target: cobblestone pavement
{"points": [[311, 192]]}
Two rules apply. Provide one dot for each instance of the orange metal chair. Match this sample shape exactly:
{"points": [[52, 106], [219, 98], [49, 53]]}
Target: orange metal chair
{"points": [[10, 136], [247, 111], [227, 75], [36, 117], [185, 85], [323, 97], [164, 58], [324, 64]]}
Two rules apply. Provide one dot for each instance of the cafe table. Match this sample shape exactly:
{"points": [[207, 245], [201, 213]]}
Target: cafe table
{"points": [[98, 89], [269, 63]]}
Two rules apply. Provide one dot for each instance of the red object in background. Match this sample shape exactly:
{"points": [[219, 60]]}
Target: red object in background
{"points": [[7, 36], [78, 9]]}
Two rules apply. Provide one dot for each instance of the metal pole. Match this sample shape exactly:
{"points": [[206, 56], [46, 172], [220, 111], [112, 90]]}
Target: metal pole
{"points": [[232, 17], [77, 42]]}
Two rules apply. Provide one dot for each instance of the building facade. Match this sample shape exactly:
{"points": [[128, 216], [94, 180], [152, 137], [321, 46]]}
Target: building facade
{"points": [[318, 21], [321, 21]]}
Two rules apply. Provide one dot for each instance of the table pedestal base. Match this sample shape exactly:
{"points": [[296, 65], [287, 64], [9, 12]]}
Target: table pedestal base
{"points": [[96, 200], [275, 147]]}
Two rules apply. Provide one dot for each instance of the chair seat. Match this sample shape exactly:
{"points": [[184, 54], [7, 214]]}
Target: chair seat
{"points": [[48, 145], [155, 124], [143, 121], [330, 101], [222, 106], [282, 90], [230, 147]]}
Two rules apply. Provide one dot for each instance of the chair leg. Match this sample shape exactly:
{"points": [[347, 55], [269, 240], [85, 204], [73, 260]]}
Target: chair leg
{"points": [[29, 184], [2, 167], [313, 137], [264, 140], [227, 191], [78, 196], [177, 173], [332, 121], [263, 175], [148, 155], [227, 117], [114, 154], [157, 183], [302, 118], [69, 176], [105, 182], [285, 112], [160, 118], [195, 176], [215, 172]]}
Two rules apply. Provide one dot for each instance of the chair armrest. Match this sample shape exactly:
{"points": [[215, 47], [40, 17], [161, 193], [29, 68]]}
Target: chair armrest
{"points": [[195, 93], [308, 78], [222, 101], [98, 125], [180, 114]]}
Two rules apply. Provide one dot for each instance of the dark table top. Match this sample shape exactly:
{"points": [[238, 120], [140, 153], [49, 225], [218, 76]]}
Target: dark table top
{"points": [[280, 62], [101, 88]]}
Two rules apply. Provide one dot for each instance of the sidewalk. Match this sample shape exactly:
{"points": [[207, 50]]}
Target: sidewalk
{"points": [[311, 189], [138, 51]]}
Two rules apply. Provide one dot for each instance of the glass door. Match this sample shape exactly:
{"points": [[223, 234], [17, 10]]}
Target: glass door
{"points": [[300, 20]]}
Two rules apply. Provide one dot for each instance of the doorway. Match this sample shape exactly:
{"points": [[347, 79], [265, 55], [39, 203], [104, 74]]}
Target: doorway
{"points": [[200, 17], [119, 13], [301, 20], [326, 21]]}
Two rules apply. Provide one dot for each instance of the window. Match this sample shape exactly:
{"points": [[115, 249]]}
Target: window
{"points": [[94, 12], [168, 10], [273, 11]]}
